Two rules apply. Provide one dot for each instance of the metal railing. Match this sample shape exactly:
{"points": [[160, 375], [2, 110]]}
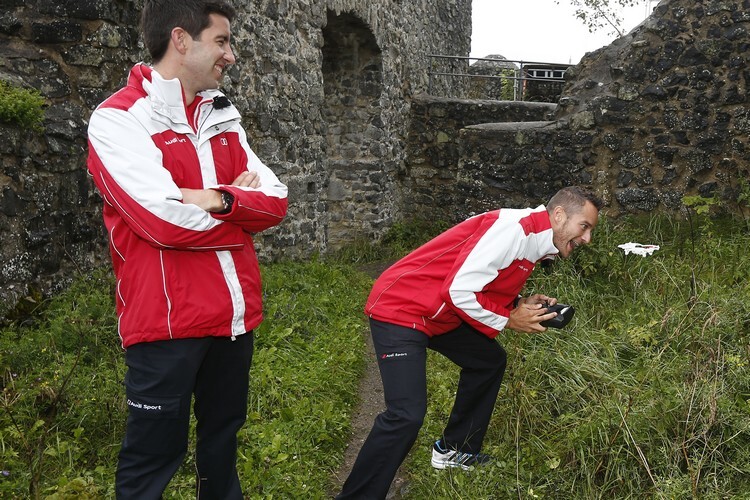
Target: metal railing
{"points": [[516, 72]]}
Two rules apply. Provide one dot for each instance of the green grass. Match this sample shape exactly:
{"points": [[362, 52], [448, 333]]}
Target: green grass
{"points": [[62, 411], [304, 379], [646, 394]]}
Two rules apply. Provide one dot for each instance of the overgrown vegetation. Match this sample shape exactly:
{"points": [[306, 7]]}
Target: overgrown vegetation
{"points": [[397, 242], [645, 395], [21, 107], [62, 408]]}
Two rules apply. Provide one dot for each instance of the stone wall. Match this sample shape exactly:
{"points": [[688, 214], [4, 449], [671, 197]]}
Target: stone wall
{"points": [[330, 93], [661, 113], [521, 164], [494, 77], [324, 88], [669, 106], [74, 53], [433, 184], [330, 85]]}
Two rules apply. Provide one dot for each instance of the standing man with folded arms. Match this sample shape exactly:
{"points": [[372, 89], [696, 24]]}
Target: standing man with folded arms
{"points": [[454, 295], [183, 195]]}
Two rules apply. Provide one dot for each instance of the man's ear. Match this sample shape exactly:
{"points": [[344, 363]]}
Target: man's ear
{"points": [[180, 39], [558, 214]]}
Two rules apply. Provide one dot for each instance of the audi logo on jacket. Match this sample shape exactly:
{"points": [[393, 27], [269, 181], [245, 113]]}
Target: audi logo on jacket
{"points": [[181, 271]]}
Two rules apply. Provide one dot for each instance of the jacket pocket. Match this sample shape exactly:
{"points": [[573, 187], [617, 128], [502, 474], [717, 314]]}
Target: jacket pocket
{"points": [[437, 312]]}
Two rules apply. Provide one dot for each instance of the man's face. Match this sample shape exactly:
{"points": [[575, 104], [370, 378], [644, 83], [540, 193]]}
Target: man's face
{"points": [[569, 231], [209, 54]]}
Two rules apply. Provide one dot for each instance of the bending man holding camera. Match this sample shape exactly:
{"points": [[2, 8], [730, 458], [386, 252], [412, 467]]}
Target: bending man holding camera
{"points": [[454, 295]]}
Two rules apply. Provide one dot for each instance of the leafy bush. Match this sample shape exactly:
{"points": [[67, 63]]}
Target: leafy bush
{"points": [[21, 107]]}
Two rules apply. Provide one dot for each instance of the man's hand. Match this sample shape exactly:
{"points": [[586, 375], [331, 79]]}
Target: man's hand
{"points": [[529, 313], [210, 199], [247, 179], [538, 298]]}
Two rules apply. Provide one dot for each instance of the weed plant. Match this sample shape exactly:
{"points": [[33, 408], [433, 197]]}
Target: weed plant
{"points": [[61, 405], [310, 357], [20, 107]]}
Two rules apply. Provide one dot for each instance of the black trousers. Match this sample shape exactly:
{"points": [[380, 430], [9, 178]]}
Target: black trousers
{"points": [[402, 355], [161, 379]]}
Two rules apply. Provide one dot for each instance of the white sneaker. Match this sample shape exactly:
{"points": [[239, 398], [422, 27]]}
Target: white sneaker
{"points": [[443, 458]]}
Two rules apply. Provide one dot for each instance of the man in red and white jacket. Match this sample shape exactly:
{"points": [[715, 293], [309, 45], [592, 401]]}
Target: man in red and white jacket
{"points": [[454, 295], [183, 195]]}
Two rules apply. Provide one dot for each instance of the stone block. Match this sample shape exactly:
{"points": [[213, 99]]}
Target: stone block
{"points": [[56, 32]]}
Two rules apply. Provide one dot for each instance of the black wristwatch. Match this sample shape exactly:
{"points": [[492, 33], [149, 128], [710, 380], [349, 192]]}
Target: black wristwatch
{"points": [[227, 199]]}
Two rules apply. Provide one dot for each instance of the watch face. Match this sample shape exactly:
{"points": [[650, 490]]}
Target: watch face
{"points": [[227, 199]]}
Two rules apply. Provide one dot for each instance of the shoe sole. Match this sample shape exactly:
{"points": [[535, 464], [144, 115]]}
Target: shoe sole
{"points": [[444, 465]]}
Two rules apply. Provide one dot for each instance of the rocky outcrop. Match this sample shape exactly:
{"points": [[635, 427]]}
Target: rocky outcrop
{"points": [[659, 114], [669, 105]]}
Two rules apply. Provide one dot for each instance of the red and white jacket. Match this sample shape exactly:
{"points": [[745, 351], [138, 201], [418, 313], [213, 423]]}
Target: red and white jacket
{"points": [[181, 271], [471, 273]]}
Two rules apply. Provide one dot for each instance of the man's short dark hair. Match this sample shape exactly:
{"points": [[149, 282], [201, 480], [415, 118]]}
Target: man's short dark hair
{"points": [[160, 17], [573, 198]]}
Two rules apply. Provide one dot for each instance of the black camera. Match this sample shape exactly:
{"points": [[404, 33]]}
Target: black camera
{"points": [[564, 315]]}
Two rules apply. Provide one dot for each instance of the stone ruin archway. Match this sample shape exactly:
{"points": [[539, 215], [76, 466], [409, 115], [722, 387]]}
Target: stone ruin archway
{"points": [[353, 84]]}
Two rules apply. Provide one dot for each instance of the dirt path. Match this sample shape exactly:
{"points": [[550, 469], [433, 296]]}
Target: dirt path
{"points": [[370, 405]]}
